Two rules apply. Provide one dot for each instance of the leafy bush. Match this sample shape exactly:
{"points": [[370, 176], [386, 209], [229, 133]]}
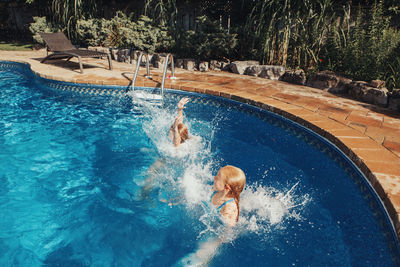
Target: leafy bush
{"points": [[365, 51], [121, 31], [88, 32], [209, 41], [151, 38], [392, 74], [40, 24]]}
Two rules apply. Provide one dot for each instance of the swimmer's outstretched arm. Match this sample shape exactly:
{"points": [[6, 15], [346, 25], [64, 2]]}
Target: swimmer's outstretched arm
{"points": [[181, 106], [174, 131], [176, 137]]}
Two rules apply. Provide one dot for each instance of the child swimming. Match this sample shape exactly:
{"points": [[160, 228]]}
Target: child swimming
{"points": [[228, 184], [178, 132]]}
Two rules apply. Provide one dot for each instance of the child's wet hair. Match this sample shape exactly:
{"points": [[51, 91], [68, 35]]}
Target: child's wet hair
{"points": [[183, 132], [236, 179]]}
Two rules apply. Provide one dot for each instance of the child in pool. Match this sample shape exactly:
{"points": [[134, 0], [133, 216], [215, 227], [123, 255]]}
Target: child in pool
{"points": [[228, 185], [178, 132]]}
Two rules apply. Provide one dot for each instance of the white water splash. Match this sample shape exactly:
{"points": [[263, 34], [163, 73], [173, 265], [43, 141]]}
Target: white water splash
{"points": [[261, 207]]}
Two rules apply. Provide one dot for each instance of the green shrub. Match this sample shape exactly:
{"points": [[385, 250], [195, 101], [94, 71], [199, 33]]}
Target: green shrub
{"points": [[122, 32], [209, 41], [88, 32], [366, 51], [392, 73], [40, 24], [147, 37]]}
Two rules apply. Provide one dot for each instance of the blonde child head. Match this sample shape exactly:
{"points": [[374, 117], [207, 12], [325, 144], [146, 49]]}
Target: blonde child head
{"points": [[183, 132], [234, 180]]}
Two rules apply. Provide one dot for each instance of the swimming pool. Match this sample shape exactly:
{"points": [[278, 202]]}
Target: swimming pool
{"points": [[78, 189]]}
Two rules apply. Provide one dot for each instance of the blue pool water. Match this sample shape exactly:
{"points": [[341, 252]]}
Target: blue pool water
{"points": [[86, 181]]}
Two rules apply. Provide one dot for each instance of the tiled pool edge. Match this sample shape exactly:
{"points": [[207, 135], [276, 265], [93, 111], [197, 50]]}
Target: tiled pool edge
{"points": [[384, 183]]}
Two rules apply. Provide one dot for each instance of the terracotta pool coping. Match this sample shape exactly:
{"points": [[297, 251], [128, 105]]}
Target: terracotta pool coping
{"points": [[368, 135]]}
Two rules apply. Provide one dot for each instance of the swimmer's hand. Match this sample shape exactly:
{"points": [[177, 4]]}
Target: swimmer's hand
{"points": [[183, 102], [178, 120]]}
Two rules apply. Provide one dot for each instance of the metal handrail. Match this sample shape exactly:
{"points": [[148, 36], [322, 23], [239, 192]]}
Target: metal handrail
{"points": [[139, 62], [165, 72]]}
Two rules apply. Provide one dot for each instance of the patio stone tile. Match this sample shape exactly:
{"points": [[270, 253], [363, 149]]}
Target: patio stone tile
{"points": [[286, 97], [359, 127], [347, 132], [362, 112], [329, 125], [394, 126], [365, 143], [302, 112], [376, 155], [364, 120], [392, 146], [375, 116], [151, 83], [214, 92], [379, 134], [311, 116], [387, 168], [389, 191], [265, 91], [395, 198], [340, 117], [311, 106]]}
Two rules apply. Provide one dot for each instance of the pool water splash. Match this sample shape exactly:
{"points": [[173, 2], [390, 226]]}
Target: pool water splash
{"points": [[261, 206]]}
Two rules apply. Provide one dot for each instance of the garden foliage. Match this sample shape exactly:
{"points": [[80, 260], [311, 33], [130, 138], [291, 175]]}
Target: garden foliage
{"points": [[367, 50], [209, 41], [121, 31], [40, 24], [363, 43]]}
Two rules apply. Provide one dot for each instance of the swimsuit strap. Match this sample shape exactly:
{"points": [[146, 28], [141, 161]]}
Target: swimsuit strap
{"points": [[223, 204], [213, 195]]}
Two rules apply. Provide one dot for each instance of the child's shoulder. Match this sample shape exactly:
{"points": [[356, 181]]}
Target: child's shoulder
{"points": [[230, 212], [229, 207]]}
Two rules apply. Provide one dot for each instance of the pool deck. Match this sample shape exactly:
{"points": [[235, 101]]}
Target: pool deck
{"points": [[368, 135]]}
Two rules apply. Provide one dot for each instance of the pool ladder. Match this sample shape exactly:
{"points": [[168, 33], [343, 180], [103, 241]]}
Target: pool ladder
{"points": [[139, 62], [168, 58], [171, 58]]}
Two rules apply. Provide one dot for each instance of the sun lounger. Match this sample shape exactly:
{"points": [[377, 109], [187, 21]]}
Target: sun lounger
{"points": [[61, 47]]}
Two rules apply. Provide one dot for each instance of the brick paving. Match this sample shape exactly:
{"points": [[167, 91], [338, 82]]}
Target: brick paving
{"points": [[369, 135]]}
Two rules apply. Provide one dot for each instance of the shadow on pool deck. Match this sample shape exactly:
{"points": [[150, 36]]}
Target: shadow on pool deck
{"points": [[367, 134]]}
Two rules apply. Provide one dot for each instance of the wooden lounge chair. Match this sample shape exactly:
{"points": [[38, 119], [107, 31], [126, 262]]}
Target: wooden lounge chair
{"points": [[61, 47]]}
